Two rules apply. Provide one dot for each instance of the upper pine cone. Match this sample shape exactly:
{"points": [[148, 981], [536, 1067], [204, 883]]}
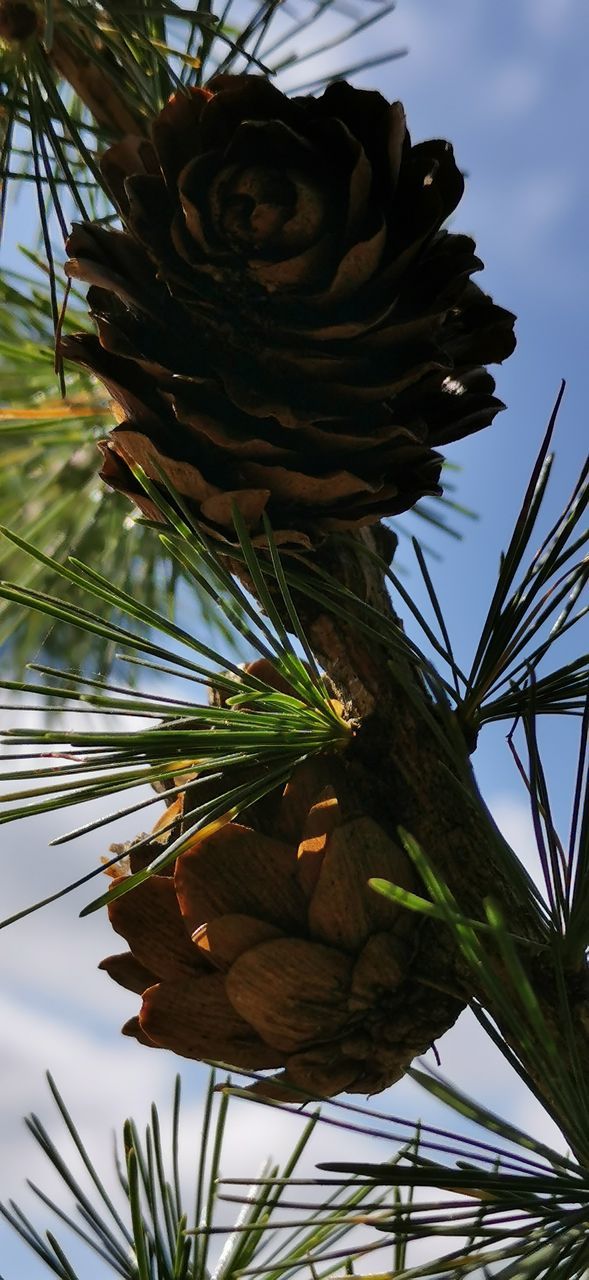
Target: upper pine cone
{"points": [[283, 322]]}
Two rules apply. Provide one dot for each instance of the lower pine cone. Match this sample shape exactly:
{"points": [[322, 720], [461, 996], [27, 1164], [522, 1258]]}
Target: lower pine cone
{"points": [[264, 948]]}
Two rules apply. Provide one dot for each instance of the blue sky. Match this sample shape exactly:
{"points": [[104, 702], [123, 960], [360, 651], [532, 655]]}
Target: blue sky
{"points": [[507, 85]]}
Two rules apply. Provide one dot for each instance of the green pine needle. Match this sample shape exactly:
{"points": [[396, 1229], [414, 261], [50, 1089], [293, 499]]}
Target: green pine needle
{"points": [[50, 493], [509, 992], [247, 750], [155, 1236], [500, 1199]]}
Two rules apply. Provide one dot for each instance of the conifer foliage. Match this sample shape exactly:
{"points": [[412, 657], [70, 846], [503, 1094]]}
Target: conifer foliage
{"points": [[244, 291]]}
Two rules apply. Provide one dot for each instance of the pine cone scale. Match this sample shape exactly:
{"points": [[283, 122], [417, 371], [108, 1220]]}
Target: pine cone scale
{"points": [[239, 870], [294, 992], [128, 972], [152, 925], [197, 1020]]}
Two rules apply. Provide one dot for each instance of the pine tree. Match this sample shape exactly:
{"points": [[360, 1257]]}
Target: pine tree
{"points": [[279, 335]]}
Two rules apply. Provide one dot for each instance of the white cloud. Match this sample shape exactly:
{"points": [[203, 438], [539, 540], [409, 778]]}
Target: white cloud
{"points": [[52, 955], [514, 820], [99, 1077]]}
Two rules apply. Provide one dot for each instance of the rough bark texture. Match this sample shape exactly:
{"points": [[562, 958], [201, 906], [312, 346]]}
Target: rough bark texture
{"points": [[396, 771], [97, 90]]}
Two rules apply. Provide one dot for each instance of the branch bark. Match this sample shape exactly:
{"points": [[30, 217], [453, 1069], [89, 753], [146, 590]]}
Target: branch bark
{"points": [[396, 771], [94, 86]]}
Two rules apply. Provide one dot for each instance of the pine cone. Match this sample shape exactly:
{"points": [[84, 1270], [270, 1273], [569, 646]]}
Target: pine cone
{"points": [[263, 946], [18, 21], [283, 322]]}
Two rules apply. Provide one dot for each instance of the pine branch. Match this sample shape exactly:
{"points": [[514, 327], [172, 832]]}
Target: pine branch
{"points": [[395, 768], [488, 935], [498, 1197], [156, 1235], [93, 86], [406, 765]]}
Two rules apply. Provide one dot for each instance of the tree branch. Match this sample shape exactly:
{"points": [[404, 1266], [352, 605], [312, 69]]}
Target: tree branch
{"points": [[94, 86], [396, 771]]}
